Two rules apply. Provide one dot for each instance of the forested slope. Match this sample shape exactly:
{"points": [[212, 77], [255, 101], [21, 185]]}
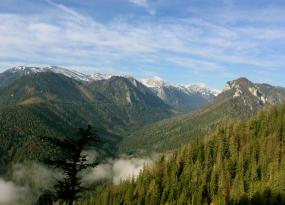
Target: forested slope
{"points": [[239, 163], [52, 104], [239, 100]]}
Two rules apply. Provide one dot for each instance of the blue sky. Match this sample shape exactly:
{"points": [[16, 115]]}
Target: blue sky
{"points": [[183, 41]]}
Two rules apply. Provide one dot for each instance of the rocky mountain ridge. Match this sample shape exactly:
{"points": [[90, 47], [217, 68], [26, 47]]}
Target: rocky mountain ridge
{"points": [[183, 98]]}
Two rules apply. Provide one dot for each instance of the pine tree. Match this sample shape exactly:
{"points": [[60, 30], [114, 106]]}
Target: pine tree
{"points": [[72, 161], [240, 163]]}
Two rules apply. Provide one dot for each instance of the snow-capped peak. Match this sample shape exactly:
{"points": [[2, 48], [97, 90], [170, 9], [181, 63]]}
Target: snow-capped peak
{"points": [[69, 73], [202, 88], [154, 82], [26, 70], [99, 76], [158, 83]]}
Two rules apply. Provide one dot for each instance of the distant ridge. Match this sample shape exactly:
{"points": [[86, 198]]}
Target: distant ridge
{"points": [[240, 99], [36, 102], [186, 97], [183, 98]]}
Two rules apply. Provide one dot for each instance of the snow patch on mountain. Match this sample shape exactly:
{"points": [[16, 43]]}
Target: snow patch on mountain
{"points": [[99, 76], [155, 83], [69, 73], [25, 70], [199, 88]]}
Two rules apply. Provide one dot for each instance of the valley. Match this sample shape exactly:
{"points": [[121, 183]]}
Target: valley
{"points": [[142, 102], [137, 120], [56, 101]]}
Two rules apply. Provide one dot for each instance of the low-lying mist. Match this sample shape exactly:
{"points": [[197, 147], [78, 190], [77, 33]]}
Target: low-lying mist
{"points": [[27, 181], [26, 184], [116, 170], [10, 193]]}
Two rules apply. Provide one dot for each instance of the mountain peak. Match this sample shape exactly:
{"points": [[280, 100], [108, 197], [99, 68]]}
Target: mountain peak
{"points": [[243, 82], [242, 87], [242, 79], [254, 94], [154, 82], [185, 97], [202, 88], [238, 84], [99, 76], [27, 70]]}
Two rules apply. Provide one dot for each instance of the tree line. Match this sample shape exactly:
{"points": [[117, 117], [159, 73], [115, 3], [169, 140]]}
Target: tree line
{"points": [[241, 162]]}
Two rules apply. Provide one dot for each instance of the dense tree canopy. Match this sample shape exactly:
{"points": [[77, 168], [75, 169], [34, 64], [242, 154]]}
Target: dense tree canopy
{"points": [[239, 163]]}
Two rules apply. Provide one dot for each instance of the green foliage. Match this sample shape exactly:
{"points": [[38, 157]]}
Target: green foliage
{"points": [[72, 161], [19, 131], [239, 163], [172, 133], [133, 100], [54, 105]]}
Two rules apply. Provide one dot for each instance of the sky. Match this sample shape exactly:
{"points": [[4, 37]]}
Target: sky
{"points": [[181, 41]]}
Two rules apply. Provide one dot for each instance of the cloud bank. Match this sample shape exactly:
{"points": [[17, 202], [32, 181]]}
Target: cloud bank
{"points": [[28, 181], [229, 42], [116, 170], [10, 193]]}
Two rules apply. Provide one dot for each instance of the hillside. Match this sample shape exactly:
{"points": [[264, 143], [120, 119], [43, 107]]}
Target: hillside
{"points": [[133, 99], [49, 103], [238, 163], [20, 129], [239, 100]]}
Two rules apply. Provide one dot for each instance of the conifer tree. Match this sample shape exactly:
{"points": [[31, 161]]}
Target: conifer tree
{"points": [[72, 161]]}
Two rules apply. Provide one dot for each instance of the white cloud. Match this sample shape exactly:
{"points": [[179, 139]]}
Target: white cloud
{"points": [[40, 176], [116, 170], [124, 168], [70, 38], [67, 10], [10, 193]]}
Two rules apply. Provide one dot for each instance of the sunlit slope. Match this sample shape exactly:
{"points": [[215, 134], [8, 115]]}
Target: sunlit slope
{"points": [[239, 100], [238, 163]]}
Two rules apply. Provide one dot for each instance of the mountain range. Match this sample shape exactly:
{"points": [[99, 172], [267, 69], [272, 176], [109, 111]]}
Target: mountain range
{"points": [[181, 97], [137, 117], [54, 101], [132, 117], [50, 103], [240, 99]]}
